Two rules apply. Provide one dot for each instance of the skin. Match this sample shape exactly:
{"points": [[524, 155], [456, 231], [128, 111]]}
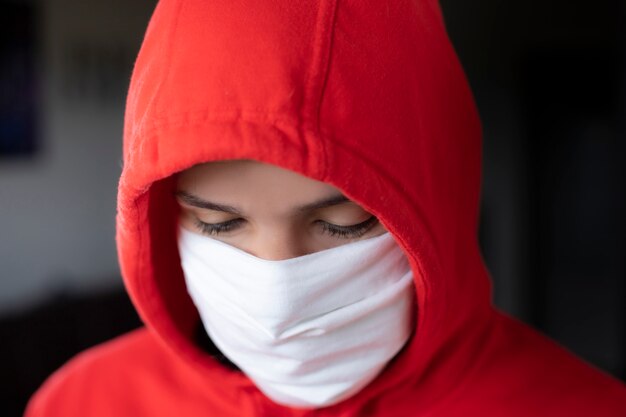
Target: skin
{"points": [[269, 223]]}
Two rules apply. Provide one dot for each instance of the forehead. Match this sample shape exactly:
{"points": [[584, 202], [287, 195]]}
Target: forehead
{"points": [[245, 181]]}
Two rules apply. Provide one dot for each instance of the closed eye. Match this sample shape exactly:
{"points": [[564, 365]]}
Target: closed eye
{"points": [[214, 229], [349, 232], [345, 232]]}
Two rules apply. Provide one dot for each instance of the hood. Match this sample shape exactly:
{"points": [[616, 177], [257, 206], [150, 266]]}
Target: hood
{"points": [[367, 96]]}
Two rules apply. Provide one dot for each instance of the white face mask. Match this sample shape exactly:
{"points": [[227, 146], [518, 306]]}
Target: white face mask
{"points": [[309, 331]]}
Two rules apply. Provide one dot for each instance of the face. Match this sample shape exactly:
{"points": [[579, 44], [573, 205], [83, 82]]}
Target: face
{"points": [[268, 211]]}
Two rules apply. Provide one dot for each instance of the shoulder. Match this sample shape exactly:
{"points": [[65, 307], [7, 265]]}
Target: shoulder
{"points": [[107, 371], [523, 372]]}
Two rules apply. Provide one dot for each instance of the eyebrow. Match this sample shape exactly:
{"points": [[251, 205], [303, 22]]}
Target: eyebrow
{"points": [[196, 201]]}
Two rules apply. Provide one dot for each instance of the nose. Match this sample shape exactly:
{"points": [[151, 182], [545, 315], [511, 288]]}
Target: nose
{"points": [[277, 246]]}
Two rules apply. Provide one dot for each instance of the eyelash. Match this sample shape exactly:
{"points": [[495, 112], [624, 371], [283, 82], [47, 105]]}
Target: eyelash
{"points": [[348, 232], [217, 228], [345, 232]]}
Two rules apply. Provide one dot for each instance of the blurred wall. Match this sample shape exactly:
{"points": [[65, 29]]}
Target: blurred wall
{"points": [[550, 81], [57, 208]]}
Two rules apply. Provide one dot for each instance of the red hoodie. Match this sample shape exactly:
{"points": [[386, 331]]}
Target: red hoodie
{"points": [[367, 96]]}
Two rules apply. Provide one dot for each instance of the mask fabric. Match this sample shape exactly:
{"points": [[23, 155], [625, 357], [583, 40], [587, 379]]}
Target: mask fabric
{"points": [[309, 331]]}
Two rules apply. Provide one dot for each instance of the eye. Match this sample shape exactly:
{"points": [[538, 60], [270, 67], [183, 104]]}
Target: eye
{"points": [[217, 228], [348, 232]]}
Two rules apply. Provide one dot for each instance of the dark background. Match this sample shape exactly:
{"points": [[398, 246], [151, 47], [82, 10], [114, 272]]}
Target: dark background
{"points": [[550, 81]]}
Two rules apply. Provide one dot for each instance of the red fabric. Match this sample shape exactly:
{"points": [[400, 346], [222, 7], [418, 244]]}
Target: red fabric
{"points": [[367, 96]]}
